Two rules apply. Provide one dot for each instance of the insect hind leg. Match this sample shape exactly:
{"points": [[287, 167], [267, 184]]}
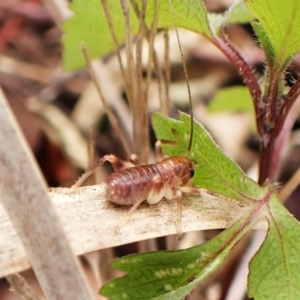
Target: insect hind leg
{"points": [[116, 163], [132, 210]]}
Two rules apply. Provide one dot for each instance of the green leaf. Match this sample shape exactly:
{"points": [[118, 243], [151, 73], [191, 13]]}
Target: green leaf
{"points": [[215, 171], [172, 275], [278, 28], [233, 99], [89, 25], [265, 43], [274, 271], [189, 14]]}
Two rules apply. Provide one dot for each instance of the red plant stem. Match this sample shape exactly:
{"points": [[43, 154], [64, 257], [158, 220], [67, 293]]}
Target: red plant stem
{"points": [[247, 74], [273, 145], [270, 100], [290, 100], [267, 168]]}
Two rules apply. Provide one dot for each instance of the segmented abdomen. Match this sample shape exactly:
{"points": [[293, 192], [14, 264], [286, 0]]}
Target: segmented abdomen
{"points": [[128, 186]]}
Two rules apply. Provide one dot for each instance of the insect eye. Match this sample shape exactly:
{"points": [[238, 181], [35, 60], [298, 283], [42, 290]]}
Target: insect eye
{"points": [[192, 173]]}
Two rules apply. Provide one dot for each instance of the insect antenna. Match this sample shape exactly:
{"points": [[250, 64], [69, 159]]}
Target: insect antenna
{"points": [[186, 79]]}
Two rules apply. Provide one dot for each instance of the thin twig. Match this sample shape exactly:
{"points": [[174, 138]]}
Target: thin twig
{"points": [[151, 37], [186, 79], [141, 100], [153, 59], [130, 73], [114, 36], [138, 106], [112, 118], [166, 73]]}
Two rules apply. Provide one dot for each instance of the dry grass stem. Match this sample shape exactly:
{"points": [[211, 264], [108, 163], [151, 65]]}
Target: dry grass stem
{"points": [[93, 223], [29, 211]]}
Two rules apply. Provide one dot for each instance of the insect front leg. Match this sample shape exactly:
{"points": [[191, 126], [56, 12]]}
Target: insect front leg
{"points": [[116, 162]]}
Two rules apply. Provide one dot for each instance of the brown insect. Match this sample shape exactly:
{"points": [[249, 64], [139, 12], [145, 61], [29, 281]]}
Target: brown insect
{"points": [[134, 182]]}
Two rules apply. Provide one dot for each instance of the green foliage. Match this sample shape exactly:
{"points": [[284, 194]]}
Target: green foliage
{"points": [[234, 99], [274, 271], [189, 14], [215, 171], [173, 274], [278, 28], [89, 24]]}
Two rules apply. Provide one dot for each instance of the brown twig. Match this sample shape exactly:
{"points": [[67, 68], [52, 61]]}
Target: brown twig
{"points": [[112, 118]]}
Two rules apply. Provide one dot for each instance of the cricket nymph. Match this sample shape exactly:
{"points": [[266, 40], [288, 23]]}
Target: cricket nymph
{"points": [[134, 182], [149, 182]]}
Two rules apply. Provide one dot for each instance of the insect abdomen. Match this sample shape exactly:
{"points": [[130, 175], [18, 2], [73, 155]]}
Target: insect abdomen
{"points": [[128, 186]]}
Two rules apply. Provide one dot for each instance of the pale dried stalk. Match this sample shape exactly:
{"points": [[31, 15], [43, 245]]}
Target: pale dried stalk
{"points": [[137, 105], [151, 37], [140, 116], [166, 73], [24, 197], [93, 223], [141, 121], [129, 79], [160, 71]]}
